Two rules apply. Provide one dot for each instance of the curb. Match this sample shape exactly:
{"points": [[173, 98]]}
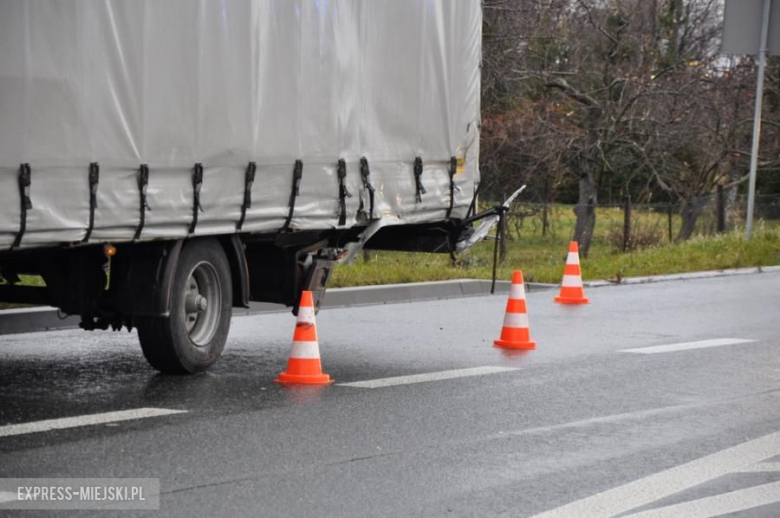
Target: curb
{"points": [[682, 276], [396, 293], [30, 320]]}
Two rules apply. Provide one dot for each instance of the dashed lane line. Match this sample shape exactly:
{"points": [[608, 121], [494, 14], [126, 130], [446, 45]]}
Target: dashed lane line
{"points": [[687, 346], [430, 376], [85, 420]]}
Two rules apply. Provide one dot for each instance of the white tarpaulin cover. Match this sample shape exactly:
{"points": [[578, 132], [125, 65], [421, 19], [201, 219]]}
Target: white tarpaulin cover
{"points": [[177, 82]]}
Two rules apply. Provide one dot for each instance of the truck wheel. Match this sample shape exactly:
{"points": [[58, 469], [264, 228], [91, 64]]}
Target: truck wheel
{"points": [[192, 337]]}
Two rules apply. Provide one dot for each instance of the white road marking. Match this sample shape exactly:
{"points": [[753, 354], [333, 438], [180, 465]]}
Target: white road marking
{"points": [[718, 505], [716, 342], [85, 420], [763, 467], [430, 376], [655, 487]]}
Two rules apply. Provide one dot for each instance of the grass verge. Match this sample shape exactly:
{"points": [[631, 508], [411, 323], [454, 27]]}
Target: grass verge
{"points": [[542, 260], [541, 257]]}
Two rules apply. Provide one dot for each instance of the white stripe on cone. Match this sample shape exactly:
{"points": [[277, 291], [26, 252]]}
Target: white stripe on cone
{"points": [[572, 281], [573, 258], [516, 320], [305, 350], [306, 315], [517, 291]]}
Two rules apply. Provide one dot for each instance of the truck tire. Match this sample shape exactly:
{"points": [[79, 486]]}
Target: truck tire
{"points": [[192, 337]]}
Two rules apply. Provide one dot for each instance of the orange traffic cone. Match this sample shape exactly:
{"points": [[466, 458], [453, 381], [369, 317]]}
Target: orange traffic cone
{"points": [[515, 333], [304, 366], [571, 287]]}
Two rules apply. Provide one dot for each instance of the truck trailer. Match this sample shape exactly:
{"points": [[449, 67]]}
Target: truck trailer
{"points": [[162, 162]]}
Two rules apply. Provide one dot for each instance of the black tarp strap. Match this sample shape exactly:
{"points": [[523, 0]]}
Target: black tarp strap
{"points": [[197, 183], [365, 173], [249, 180], [143, 185], [94, 178], [418, 170], [343, 192], [473, 206], [25, 180], [296, 190], [452, 171]]}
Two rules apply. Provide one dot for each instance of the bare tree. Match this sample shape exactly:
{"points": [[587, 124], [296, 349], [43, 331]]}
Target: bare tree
{"points": [[625, 92]]}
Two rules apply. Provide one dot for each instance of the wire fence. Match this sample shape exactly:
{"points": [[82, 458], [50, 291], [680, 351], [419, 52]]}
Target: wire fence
{"points": [[628, 226]]}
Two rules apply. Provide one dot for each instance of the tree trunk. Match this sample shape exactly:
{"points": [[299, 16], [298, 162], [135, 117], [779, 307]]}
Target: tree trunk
{"points": [[731, 194], [731, 207], [690, 212], [586, 213]]}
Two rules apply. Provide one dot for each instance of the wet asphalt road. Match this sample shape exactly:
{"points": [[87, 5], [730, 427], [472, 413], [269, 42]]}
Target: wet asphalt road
{"points": [[577, 417]]}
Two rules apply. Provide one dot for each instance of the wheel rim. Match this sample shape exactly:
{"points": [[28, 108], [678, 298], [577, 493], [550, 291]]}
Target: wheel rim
{"points": [[202, 303]]}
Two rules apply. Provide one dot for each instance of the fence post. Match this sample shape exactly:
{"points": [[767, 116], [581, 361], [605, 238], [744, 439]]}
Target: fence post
{"points": [[544, 207], [627, 223], [502, 239], [721, 210], [671, 214]]}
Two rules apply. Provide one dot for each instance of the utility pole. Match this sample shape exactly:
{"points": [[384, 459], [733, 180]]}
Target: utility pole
{"points": [[762, 52]]}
